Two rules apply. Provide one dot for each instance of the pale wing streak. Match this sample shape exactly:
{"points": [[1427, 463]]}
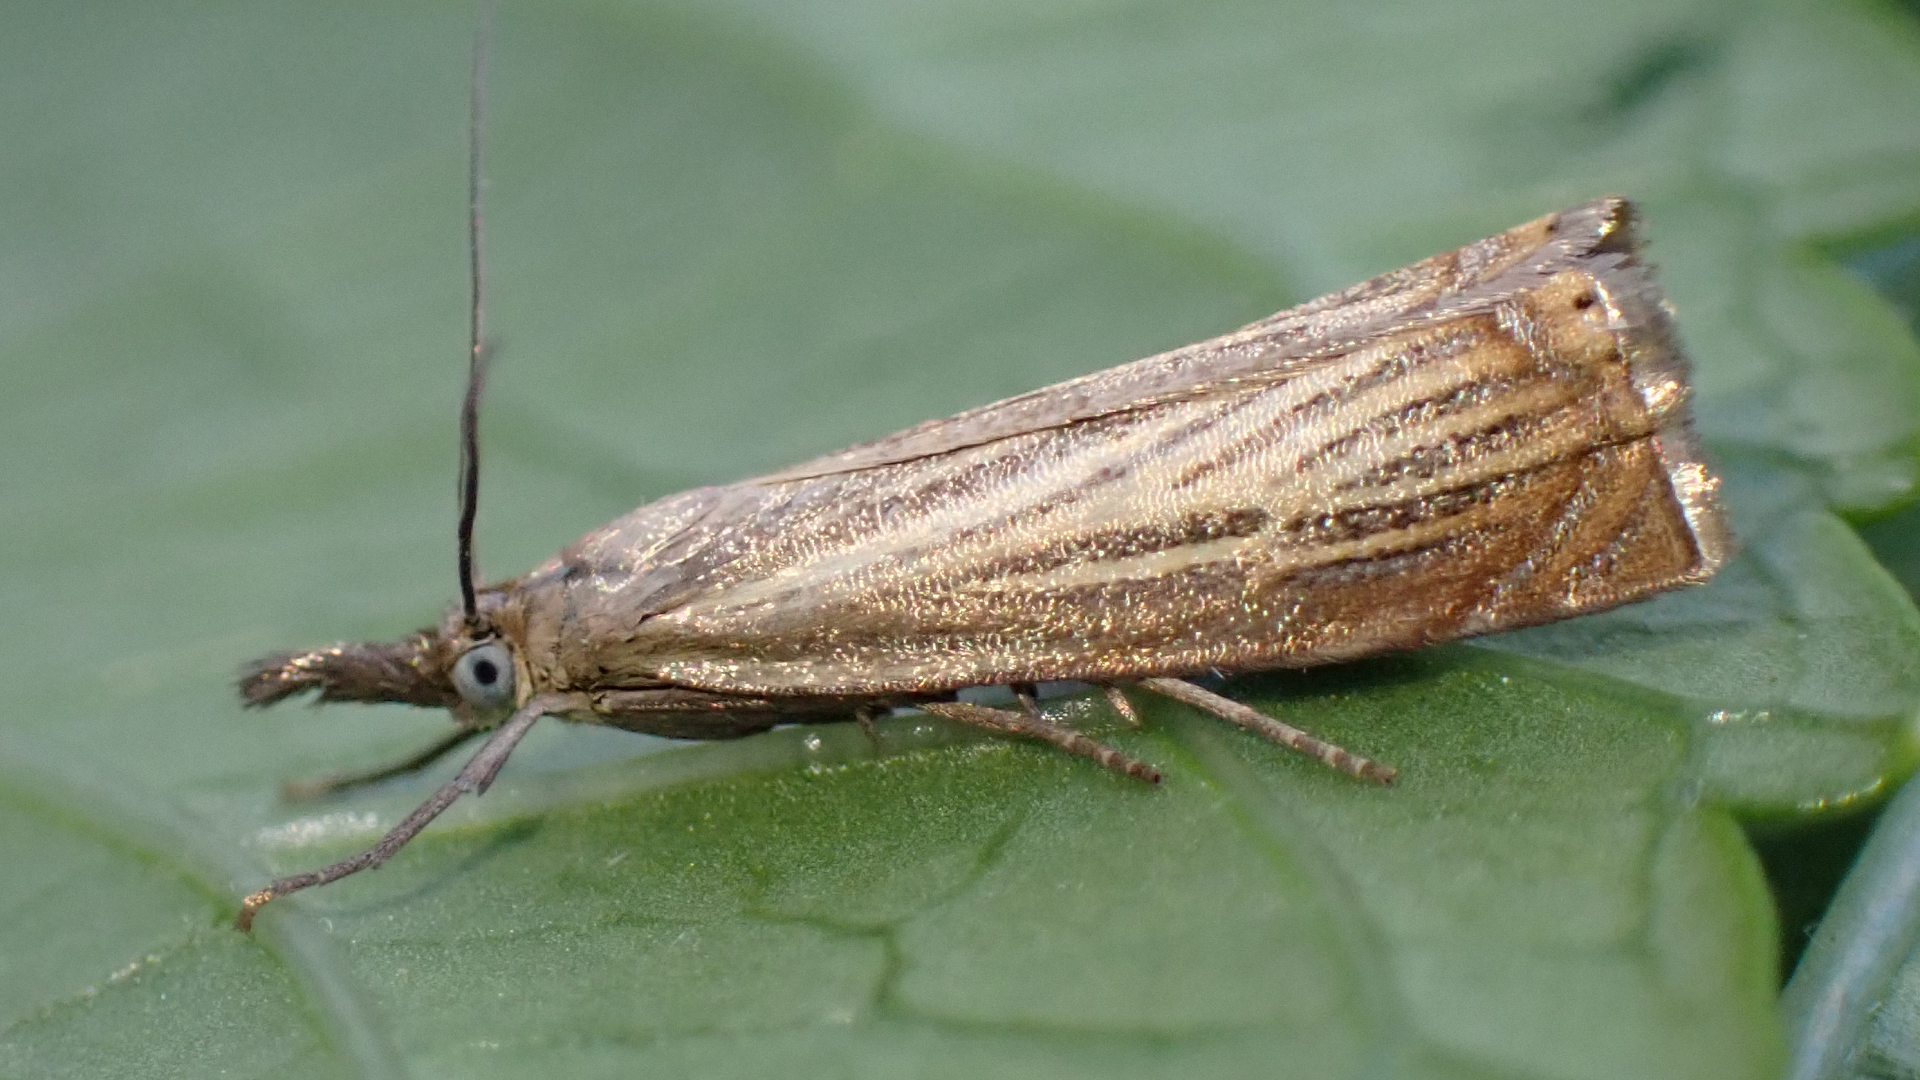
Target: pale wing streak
{"points": [[1328, 485], [1305, 417], [1287, 450], [1275, 412], [1069, 490], [1116, 571], [1340, 477], [1324, 378], [932, 540], [1287, 559], [1305, 442], [1303, 436], [1278, 562], [927, 537]]}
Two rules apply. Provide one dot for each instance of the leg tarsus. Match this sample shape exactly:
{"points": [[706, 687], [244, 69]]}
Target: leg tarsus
{"points": [[477, 776], [1118, 699], [1028, 695], [308, 790], [864, 716], [1285, 734], [1037, 726]]}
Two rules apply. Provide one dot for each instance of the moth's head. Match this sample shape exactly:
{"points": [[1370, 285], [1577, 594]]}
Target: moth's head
{"points": [[466, 665], [466, 668]]}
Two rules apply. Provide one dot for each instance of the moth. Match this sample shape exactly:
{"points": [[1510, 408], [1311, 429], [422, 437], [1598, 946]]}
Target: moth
{"points": [[1488, 439]]}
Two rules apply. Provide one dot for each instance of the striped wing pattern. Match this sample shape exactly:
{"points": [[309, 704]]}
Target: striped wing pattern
{"points": [[1495, 440]]}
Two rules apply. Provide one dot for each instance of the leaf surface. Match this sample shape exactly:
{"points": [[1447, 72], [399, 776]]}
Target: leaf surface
{"points": [[725, 238]]}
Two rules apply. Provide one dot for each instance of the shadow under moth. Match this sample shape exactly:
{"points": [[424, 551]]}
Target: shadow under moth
{"points": [[1488, 439]]}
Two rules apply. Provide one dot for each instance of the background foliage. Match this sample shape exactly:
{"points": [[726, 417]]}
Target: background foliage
{"points": [[729, 235]]}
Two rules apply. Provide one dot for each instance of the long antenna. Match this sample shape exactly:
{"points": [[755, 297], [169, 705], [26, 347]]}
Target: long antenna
{"points": [[477, 353]]}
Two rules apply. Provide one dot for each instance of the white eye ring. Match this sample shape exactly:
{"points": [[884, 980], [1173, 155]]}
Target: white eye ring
{"points": [[484, 676]]}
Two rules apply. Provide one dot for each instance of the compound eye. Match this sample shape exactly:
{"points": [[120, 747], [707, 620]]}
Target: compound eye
{"points": [[484, 676]]}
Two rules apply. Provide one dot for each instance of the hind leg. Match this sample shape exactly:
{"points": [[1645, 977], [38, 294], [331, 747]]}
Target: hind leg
{"points": [[303, 790], [1034, 725], [1285, 734]]}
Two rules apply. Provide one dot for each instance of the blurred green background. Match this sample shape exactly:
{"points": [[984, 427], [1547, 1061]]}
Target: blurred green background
{"points": [[724, 236]]}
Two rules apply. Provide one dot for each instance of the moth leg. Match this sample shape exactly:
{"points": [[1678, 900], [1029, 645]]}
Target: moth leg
{"points": [[477, 776], [1285, 734], [1039, 727], [864, 716], [1028, 695], [305, 790], [1118, 699]]}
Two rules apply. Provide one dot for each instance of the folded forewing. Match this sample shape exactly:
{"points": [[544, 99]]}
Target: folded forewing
{"points": [[1498, 457]]}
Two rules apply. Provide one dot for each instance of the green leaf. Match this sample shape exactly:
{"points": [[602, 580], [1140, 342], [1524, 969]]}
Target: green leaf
{"points": [[1853, 1005], [233, 305], [1892, 263]]}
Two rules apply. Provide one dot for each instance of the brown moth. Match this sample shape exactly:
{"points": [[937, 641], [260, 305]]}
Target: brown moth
{"points": [[1488, 439]]}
